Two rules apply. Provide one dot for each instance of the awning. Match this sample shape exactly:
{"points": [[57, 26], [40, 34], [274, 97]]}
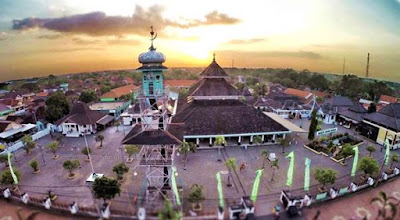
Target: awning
{"points": [[11, 132], [285, 123], [105, 120]]}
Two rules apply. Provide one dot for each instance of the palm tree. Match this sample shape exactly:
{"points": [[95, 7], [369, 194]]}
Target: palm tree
{"points": [[231, 164], [100, 138], [274, 166], [264, 155], [185, 148], [219, 141], [284, 142], [386, 202], [370, 149]]}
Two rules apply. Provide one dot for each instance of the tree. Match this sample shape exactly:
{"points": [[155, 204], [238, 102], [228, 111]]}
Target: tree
{"points": [[35, 165], [4, 159], [325, 176], [57, 105], [120, 170], [313, 125], [6, 177], [100, 138], [386, 203], [71, 165], [370, 149], [369, 166], [88, 96], [274, 166], [231, 164], [185, 148], [196, 194], [106, 188], [53, 147], [219, 141], [28, 143], [284, 142], [117, 124], [372, 108], [347, 151], [131, 150], [168, 212], [105, 89], [394, 158], [86, 151], [264, 155]]}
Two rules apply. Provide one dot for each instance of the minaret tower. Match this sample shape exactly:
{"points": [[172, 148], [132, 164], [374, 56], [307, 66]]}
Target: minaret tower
{"points": [[152, 98]]}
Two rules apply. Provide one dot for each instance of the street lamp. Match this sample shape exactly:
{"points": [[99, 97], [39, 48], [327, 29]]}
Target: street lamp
{"points": [[41, 152], [87, 148]]}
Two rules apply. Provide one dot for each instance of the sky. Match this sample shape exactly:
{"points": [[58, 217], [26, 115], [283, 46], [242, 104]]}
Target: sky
{"points": [[42, 37]]}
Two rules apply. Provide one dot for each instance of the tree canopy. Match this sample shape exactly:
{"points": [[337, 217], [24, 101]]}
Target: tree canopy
{"points": [[57, 105], [88, 96], [106, 188]]}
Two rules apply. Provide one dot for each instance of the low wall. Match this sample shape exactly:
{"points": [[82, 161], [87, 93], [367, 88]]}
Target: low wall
{"points": [[19, 144]]}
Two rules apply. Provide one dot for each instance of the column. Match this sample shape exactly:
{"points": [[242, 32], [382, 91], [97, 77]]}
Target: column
{"points": [[251, 139], [197, 142], [210, 141], [239, 140], [262, 138], [283, 135], [274, 137]]}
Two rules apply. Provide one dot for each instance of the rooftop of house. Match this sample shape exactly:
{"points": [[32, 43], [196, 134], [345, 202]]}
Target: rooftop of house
{"points": [[179, 82], [336, 104], [97, 106], [388, 116], [299, 93], [149, 137], [214, 71], [213, 87], [120, 91], [355, 112], [81, 114], [388, 99]]}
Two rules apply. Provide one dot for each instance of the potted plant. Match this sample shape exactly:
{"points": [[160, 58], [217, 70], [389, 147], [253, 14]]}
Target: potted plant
{"points": [[35, 166], [28, 143], [120, 170], [257, 139], [274, 167], [284, 142], [370, 149], [369, 166], [53, 147], [264, 155], [51, 195], [196, 196], [394, 158], [185, 148], [7, 179], [100, 139], [87, 151], [347, 151], [71, 165], [325, 176], [131, 150], [231, 164]]}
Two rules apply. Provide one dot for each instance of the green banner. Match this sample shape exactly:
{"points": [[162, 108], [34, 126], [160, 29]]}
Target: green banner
{"points": [[11, 169], [254, 192], [355, 161], [174, 186], [307, 174], [290, 172], [387, 153], [219, 187]]}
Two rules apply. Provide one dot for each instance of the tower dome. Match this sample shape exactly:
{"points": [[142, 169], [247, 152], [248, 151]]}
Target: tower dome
{"points": [[152, 56]]}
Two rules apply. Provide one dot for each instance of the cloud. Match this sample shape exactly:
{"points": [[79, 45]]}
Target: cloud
{"points": [[245, 41], [124, 42], [82, 41], [99, 24], [50, 36], [260, 54], [52, 50]]}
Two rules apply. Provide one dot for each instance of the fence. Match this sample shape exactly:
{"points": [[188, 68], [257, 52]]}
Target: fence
{"points": [[19, 144]]}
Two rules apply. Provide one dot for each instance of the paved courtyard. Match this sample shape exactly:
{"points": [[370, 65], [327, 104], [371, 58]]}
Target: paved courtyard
{"points": [[201, 169]]}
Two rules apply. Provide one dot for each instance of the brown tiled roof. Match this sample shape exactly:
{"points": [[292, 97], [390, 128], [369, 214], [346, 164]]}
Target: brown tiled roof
{"points": [[213, 117], [81, 114], [42, 94], [4, 124], [389, 99], [214, 71], [120, 91], [149, 137], [213, 87], [9, 102], [388, 116], [180, 82], [299, 93], [355, 112]]}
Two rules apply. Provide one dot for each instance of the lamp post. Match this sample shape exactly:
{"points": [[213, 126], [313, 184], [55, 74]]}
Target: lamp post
{"points": [[87, 148], [41, 152], [122, 154]]}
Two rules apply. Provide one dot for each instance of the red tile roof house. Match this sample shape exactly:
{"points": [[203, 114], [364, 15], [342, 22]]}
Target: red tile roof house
{"points": [[82, 120], [304, 95], [386, 100], [179, 83], [116, 93]]}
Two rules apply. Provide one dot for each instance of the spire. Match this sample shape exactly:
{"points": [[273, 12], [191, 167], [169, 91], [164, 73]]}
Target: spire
{"points": [[153, 37], [213, 57]]}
